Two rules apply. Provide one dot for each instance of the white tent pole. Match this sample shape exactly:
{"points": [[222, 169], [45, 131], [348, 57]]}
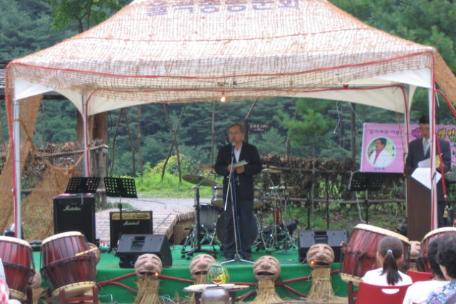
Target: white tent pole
{"points": [[17, 167], [85, 128], [434, 209]]}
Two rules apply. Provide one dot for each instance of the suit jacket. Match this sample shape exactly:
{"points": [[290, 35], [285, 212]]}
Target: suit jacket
{"points": [[416, 154], [249, 153]]}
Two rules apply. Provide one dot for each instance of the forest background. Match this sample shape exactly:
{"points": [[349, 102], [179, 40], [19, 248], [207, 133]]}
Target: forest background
{"points": [[140, 137]]}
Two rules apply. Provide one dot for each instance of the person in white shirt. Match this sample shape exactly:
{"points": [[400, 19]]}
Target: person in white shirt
{"points": [[390, 256], [379, 157], [418, 292]]}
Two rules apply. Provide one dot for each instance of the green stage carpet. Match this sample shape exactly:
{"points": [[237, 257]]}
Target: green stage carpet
{"points": [[108, 269]]}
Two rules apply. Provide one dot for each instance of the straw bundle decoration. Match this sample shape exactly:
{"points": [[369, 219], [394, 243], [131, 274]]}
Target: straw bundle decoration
{"points": [[266, 270], [199, 267], [148, 268], [320, 257]]}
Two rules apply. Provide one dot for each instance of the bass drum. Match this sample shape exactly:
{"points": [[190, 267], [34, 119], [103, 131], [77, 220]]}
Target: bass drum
{"points": [[220, 233]]}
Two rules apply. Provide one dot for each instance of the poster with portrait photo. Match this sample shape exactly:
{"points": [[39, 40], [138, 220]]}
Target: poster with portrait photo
{"points": [[382, 148]]}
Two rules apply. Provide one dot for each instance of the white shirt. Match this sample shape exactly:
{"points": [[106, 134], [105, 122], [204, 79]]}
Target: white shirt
{"points": [[237, 153], [419, 292], [375, 277], [383, 160]]}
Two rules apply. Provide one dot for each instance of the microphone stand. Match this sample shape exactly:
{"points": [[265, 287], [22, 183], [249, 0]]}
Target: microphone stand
{"points": [[231, 191]]}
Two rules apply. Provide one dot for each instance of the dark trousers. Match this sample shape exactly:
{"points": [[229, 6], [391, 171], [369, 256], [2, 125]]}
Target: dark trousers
{"points": [[247, 228], [442, 222]]}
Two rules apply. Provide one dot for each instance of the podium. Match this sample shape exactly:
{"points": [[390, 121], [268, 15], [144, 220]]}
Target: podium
{"points": [[418, 209]]}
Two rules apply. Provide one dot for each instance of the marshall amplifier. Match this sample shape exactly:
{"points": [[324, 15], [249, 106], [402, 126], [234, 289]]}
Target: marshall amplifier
{"points": [[75, 212], [130, 222]]}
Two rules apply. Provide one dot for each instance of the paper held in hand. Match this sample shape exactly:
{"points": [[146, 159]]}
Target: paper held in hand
{"points": [[240, 164], [426, 163], [423, 176]]}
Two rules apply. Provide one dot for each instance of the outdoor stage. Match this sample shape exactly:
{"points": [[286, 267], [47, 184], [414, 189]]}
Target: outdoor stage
{"points": [[294, 275]]}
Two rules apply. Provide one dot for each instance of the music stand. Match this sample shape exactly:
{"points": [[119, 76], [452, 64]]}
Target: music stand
{"points": [[365, 181], [120, 187], [79, 185]]}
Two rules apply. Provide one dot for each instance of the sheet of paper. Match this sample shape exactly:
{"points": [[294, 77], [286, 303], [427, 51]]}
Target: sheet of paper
{"points": [[426, 163], [239, 164], [423, 176]]}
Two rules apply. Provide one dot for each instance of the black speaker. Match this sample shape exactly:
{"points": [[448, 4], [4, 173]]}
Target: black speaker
{"points": [[133, 245], [131, 222], [75, 212], [333, 238]]}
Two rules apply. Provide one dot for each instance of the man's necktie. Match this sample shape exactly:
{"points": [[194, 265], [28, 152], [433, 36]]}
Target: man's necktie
{"points": [[425, 146]]}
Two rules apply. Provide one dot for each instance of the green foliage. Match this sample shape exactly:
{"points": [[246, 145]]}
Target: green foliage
{"points": [[24, 28], [56, 122], [150, 182], [82, 13]]}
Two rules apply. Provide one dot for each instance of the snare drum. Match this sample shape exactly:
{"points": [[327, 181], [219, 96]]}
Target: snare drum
{"points": [[66, 260], [360, 253], [208, 216], [16, 255], [428, 238], [217, 197]]}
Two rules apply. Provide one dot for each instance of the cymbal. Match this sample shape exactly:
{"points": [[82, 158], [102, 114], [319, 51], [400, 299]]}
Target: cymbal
{"points": [[199, 180], [272, 169]]}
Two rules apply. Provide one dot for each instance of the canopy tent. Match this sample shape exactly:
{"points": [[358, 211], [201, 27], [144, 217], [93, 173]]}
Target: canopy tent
{"points": [[179, 51]]}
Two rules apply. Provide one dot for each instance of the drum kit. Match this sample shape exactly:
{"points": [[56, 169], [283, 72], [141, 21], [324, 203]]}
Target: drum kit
{"points": [[67, 262], [274, 232]]}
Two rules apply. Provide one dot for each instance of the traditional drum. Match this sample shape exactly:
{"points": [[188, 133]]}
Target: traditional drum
{"points": [[68, 262], [361, 251], [432, 235], [16, 255]]}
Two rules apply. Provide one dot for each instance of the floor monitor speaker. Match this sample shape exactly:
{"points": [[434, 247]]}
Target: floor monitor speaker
{"points": [[133, 245], [333, 238]]}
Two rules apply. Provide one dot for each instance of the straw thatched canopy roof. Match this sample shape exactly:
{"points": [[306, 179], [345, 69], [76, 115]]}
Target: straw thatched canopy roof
{"points": [[187, 51]]}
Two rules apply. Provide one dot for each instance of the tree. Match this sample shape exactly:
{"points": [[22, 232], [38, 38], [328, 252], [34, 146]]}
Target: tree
{"points": [[24, 28], [82, 13]]}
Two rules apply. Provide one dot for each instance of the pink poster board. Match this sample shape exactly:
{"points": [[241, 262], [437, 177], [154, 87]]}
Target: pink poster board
{"points": [[383, 145]]}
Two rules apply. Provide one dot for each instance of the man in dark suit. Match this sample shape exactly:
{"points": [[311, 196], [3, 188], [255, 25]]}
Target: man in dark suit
{"points": [[418, 150], [243, 184]]}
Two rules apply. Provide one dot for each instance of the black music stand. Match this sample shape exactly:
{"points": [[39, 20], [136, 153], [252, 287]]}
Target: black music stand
{"points": [[365, 181], [120, 187], [80, 185]]}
